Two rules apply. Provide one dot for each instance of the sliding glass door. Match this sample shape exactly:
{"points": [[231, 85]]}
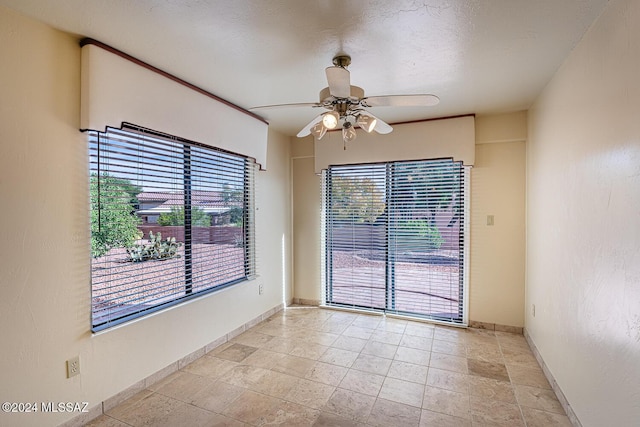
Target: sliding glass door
{"points": [[394, 238]]}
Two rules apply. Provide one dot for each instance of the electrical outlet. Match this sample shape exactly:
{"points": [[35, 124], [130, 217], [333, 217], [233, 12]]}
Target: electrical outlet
{"points": [[533, 310], [260, 288], [73, 367], [489, 219]]}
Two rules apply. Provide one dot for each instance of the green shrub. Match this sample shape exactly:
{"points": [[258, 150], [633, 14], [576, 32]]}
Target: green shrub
{"points": [[199, 218], [155, 249], [417, 235]]}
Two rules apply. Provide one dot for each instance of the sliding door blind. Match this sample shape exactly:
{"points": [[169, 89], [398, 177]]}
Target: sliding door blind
{"points": [[170, 220], [394, 238]]}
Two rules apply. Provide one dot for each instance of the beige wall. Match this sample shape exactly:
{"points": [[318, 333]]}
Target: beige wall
{"points": [[583, 222], [497, 253], [44, 278], [307, 197]]}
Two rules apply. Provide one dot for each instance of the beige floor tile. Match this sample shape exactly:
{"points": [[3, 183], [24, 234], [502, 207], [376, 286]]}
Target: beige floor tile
{"points": [[333, 326], [527, 376], [402, 391], [538, 398], [480, 336], [211, 367], [369, 370], [386, 337], [408, 372], [310, 393], [496, 371], [372, 364], [308, 350], [413, 355], [448, 380], [380, 349], [236, 352], [350, 404], [293, 365], [263, 358], [251, 407], [448, 334], [392, 414], [327, 373], [538, 418], [280, 345], [337, 356], [358, 332], [520, 357], [181, 385], [252, 338], [105, 421], [327, 419], [413, 341], [495, 413], [491, 389], [507, 339], [349, 343], [275, 384], [392, 325], [315, 337], [362, 382], [448, 362], [435, 419], [369, 322], [454, 348], [222, 421], [216, 397], [243, 375], [291, 415], [447, 402], [159, 410], [419, 329], [486, 354]]}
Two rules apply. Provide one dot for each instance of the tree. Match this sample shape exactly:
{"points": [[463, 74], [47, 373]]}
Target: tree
{"points": [[234, 198], [114, 223], [356, 199], [429, 187], [199, 218]]}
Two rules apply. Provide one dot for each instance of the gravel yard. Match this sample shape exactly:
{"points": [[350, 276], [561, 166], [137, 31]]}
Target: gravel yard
{"points": [[422, 288], [120, 286]]}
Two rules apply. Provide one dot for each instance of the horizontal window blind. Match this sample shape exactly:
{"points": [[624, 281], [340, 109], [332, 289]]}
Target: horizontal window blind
{"points": [[170, 220], [394, 238]]}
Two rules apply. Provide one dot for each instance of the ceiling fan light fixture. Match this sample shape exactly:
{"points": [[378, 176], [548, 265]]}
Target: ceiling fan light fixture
{"points": [[348, 132], [366, 122], [330, 120], [318, 130]]}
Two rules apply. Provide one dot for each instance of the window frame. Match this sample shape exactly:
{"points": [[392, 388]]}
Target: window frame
{"points": [[392, 200], [190, 150]]}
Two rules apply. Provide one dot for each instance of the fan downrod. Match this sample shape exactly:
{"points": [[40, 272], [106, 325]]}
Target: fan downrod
{"points": [[342, 61]]}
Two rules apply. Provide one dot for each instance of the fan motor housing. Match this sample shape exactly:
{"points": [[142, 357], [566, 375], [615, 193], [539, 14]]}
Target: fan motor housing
{"points": [[357, 93]]}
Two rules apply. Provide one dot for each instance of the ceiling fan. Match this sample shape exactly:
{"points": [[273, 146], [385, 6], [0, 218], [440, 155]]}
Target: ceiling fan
{"points": [[347, 105]]}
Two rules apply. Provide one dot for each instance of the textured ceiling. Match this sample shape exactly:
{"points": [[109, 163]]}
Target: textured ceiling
{"points": [[478, 56]]}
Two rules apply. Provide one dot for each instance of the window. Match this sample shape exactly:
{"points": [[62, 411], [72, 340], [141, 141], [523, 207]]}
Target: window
{"points": [[394, 238], [170, 220]]}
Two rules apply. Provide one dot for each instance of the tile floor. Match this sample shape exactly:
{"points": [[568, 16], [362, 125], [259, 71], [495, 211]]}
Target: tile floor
{"points": [[319, 367]]}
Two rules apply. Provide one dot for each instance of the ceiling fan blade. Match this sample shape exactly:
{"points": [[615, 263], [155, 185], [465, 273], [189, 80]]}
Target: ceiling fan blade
{"points": [[400, 101], [307, 129], [381, 127], [301, 104], [339, 82]]}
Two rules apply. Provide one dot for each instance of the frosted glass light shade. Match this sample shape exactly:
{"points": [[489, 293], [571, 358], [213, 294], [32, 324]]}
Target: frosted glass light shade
{"points": [[330, 119], [318, 130], [348, 132], [366, 122]]}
